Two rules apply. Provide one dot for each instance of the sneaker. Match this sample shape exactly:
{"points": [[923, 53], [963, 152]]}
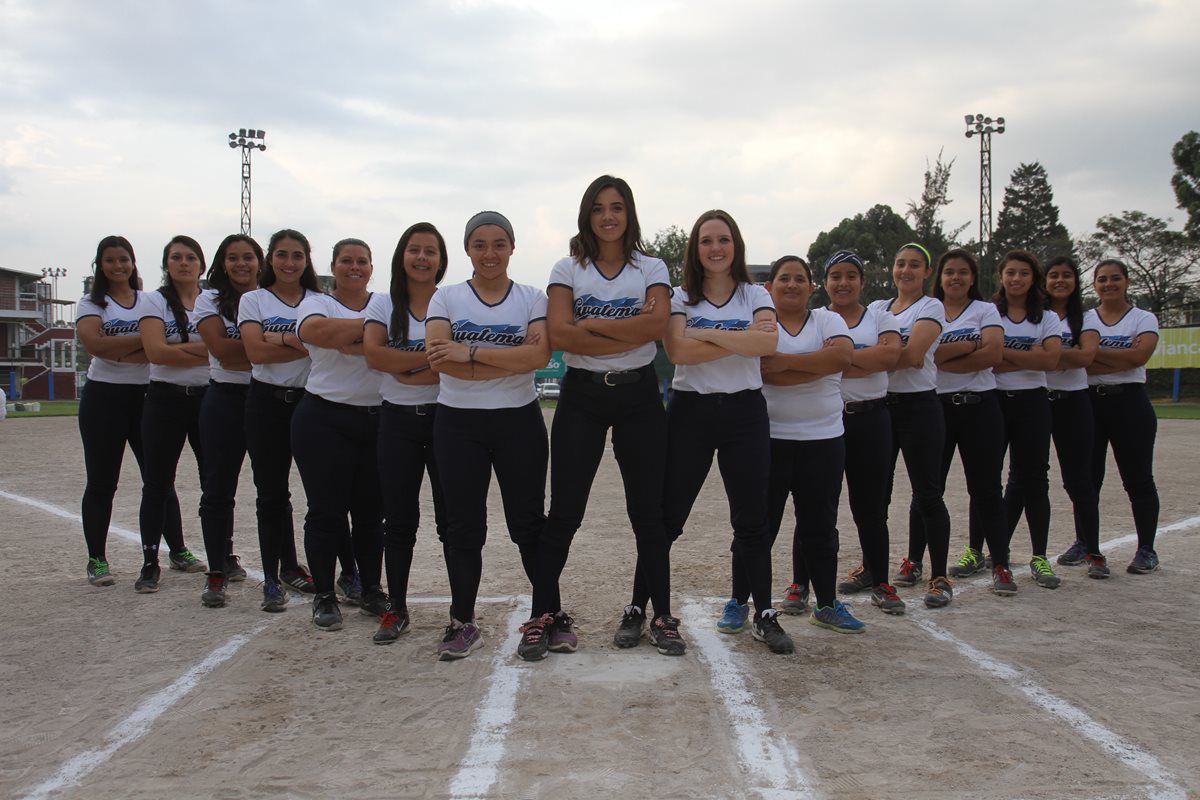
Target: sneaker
{"points": [[326, 614], [1097, 565], [836, 618], [391, 626], [214, 591], [374, 603], [1074, 554], [98, 574], [459, 640], [299, 579], [351, 588], [858, 579], [733, 619], [939, 593], [796, 600], [664, 635], [234, 572], [147, 582], [185, 561], [1002, 582], [970, 563], [629, 632], [909, 574], [1039, 567], [275, 599], [884, 598], [535, 638], [766, 628], [562, 634], [1145, 561]]}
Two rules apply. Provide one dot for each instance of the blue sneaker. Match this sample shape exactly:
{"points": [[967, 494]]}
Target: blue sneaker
{"points": [[836, 618], [1145, 561], [733, 620]]}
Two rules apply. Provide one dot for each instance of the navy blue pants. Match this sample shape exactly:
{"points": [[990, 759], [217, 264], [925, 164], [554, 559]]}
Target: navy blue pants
{"points": [[1073, 426], [919, 431], [1027, 431], [170, 417], [223, 443], [269, 411], [1126, 420]]}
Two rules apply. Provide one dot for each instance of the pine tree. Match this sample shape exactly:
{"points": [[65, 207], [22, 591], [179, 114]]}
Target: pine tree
{"points": [[1029, 217], [1186, 180]]}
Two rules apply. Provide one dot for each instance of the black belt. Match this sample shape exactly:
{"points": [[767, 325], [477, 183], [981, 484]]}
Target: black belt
{"points": [[1105, 389], [422, 410], [1020, 392], [610, 378], [895, 398], [962, 398], [284, 394], [188, 391], [1057, 394], [345, 406], [861, 406]]}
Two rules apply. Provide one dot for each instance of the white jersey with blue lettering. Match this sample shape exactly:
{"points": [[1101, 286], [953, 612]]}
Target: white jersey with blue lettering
{"points": [[115, 320], [337, 376], [924, 377], [156, 308], [968, 326], [1075, 379], [1120, 336], [264, 308], [379, 312], [619, 297], [731, 373], [1023, 336], [809, 411], [871, 326], [206, 306], [502, 324]]}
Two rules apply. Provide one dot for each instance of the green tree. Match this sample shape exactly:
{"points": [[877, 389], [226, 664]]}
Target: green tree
{"points": [[875, 237], [1029, 217], [1162, 262], [670, 244], [926, 216], [1186, 180]]}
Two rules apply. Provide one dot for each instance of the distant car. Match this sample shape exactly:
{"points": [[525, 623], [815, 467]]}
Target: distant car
{"points": [[549, 391]]}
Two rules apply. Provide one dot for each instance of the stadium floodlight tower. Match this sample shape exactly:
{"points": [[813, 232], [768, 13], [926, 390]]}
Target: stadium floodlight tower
{"points": [[984, 127], [248, 139]]}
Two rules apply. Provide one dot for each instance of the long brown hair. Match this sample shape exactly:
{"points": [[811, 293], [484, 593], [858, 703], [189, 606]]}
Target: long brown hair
{"points": [[693, 270]]}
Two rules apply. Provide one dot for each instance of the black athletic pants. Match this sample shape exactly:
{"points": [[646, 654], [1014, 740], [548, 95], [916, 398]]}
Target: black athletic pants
{"points": [[868, 477], [269, 411], [110, 415], [919, 431], [223, 443], [1126, 419], [335, 447], [405, 455], [586, 411], [735, 428], [170, 417], [1074, 428], [1027, 431], [468, 443]]}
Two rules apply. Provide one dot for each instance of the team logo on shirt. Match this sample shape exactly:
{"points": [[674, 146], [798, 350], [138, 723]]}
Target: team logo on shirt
{"points": [[1019, 342], [505, 335], [232, 332], [589, 306], [904, 332], [172, 328], [719, 324], [961, 335], [410, 345], [120, 327], [1112, 342], [278, 325]]}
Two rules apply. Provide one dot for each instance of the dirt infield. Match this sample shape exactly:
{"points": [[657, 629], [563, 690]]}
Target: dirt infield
{"points": [[1088, 691]]}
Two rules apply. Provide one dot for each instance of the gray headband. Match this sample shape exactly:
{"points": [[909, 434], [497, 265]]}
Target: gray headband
{"points": [[489, 218]]}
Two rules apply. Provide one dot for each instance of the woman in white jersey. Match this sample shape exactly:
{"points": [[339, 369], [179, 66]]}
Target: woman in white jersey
{"points": [[110, 405], [178, 379], [335, 433], [279, 368], [918, 427], [866, 424], [1124, 416], [721, 325], [234, 271], [486, 337], [969, 347], [1032, 340], [1071, 420], [394, 344], [608, 303], [802, 387]]}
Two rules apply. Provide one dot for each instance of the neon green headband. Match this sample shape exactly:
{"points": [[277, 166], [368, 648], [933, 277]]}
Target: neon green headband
{"points": [[915, 246]]}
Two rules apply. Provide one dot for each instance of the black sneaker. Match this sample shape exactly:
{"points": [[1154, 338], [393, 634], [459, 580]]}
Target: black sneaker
{"points": [[299, 579], [535, 638], [275, 599], [766, 628], [234, 572], [374, 602], [629, 632], [1145, 561], [858, 580], [1073, 554], [391, 626], [185, 561], [326, 614], [147, 582], [351, 588], [98, 573], [214, 591], [664, 635]]}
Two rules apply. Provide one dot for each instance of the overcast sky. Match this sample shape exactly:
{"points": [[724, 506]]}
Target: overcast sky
{"points": [[114, 116]]}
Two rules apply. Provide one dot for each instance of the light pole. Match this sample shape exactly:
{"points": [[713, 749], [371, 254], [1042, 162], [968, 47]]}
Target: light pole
{"points": [[984, 127], [248, 139], [54, 273]]}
